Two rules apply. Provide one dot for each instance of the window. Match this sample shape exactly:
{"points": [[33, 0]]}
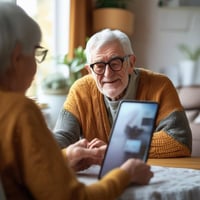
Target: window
{"points": [[53, 18]]}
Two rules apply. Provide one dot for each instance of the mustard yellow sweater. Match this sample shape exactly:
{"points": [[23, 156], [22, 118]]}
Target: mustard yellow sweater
{"points": [[172, 136], [31, 163]]}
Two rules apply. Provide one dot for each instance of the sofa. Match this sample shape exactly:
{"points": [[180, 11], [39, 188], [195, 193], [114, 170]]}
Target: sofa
{"points": [[190, 99]]}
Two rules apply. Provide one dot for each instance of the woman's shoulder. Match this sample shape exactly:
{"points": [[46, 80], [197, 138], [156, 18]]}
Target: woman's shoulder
{"points": [[20, 101]]}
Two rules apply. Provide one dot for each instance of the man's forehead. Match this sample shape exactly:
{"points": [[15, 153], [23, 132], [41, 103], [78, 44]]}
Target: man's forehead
{"points": [[107, 50]]}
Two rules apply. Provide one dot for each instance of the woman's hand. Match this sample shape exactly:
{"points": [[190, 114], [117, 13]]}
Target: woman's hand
{"points": [[138, 171]]}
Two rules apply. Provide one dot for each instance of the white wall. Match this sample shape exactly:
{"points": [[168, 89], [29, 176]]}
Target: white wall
{"points": [[158, 32]]}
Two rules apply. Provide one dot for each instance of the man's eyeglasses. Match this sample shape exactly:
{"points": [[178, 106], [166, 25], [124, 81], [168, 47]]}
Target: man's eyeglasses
{"points": [[40, 53], [115, 64]]}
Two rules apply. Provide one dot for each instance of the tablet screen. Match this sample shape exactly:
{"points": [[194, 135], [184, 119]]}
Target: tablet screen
{"points": [[131, 133]]}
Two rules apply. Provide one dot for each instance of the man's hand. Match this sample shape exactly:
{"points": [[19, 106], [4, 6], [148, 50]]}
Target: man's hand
{"points": [[83, 154], [96, 143]]}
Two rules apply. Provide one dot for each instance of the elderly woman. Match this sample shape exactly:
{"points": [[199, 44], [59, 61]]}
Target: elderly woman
{"points": [[31, 164]]}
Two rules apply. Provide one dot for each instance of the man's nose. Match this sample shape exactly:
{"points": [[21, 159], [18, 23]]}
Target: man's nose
{"points": [[108, 70]]}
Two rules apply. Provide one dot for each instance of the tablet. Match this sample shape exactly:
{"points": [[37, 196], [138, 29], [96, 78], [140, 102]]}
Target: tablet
{"points": [[131, 133]]}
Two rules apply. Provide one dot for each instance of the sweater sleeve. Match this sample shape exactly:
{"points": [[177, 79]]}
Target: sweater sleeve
{"points": [[67, 130], [44, 172], [172, 136], [111, 181], [164, 146]]}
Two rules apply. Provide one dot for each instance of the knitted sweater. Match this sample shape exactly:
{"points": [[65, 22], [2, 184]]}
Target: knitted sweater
{"points": [[31, 163], [172, 135]]}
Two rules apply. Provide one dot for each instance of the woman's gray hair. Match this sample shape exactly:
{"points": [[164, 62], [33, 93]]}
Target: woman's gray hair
{"points": [[103, 37], [16, 27]]}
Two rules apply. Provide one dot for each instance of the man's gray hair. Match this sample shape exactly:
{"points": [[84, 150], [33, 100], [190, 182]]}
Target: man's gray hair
{"points": [[105, 36], [16, 27]]}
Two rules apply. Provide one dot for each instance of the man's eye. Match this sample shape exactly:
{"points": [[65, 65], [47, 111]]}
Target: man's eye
{"points": [[100, 65], [115, 62]]}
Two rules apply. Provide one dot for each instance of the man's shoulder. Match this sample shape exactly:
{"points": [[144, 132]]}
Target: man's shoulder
{"points": [[86, 81], [154, 82], [149, 75], [86, 78], [148, 72]]}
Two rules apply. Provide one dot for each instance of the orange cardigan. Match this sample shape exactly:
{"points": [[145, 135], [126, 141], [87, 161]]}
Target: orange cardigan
{"points": [[31, 163], [86, 103]]}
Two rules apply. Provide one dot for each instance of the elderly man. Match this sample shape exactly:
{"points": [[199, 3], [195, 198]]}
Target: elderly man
{"points": [[92, 101]]}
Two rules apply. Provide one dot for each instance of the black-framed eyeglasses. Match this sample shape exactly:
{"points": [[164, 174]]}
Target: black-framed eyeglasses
{"points": [[115, 64], [40, 53]]}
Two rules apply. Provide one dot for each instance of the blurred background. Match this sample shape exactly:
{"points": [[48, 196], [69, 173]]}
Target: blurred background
{"points": [[165, 36]]}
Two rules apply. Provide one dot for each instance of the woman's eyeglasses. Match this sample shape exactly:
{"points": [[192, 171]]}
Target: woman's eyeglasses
{"points": [[40, 53], [115, 64]]}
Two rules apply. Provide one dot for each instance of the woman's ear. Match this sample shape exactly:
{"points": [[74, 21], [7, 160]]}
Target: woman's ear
{"points": [[16, 55], [15, 60]]}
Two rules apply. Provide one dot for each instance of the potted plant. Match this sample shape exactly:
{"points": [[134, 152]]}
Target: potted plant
{"points": [[76, 64], [55, 86], [188, 66], [190, 55], [57, 82], [113, 14], [111, 3]]}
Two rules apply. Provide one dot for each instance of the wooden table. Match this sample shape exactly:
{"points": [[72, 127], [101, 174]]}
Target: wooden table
{"points": [[186, 162]]}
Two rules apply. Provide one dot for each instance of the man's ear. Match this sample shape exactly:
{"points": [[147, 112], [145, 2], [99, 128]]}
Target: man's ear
{"points": [[87, 67], [132, 60]]}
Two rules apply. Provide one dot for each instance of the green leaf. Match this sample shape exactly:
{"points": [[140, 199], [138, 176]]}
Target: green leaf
{"points": [[192, 55]]}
